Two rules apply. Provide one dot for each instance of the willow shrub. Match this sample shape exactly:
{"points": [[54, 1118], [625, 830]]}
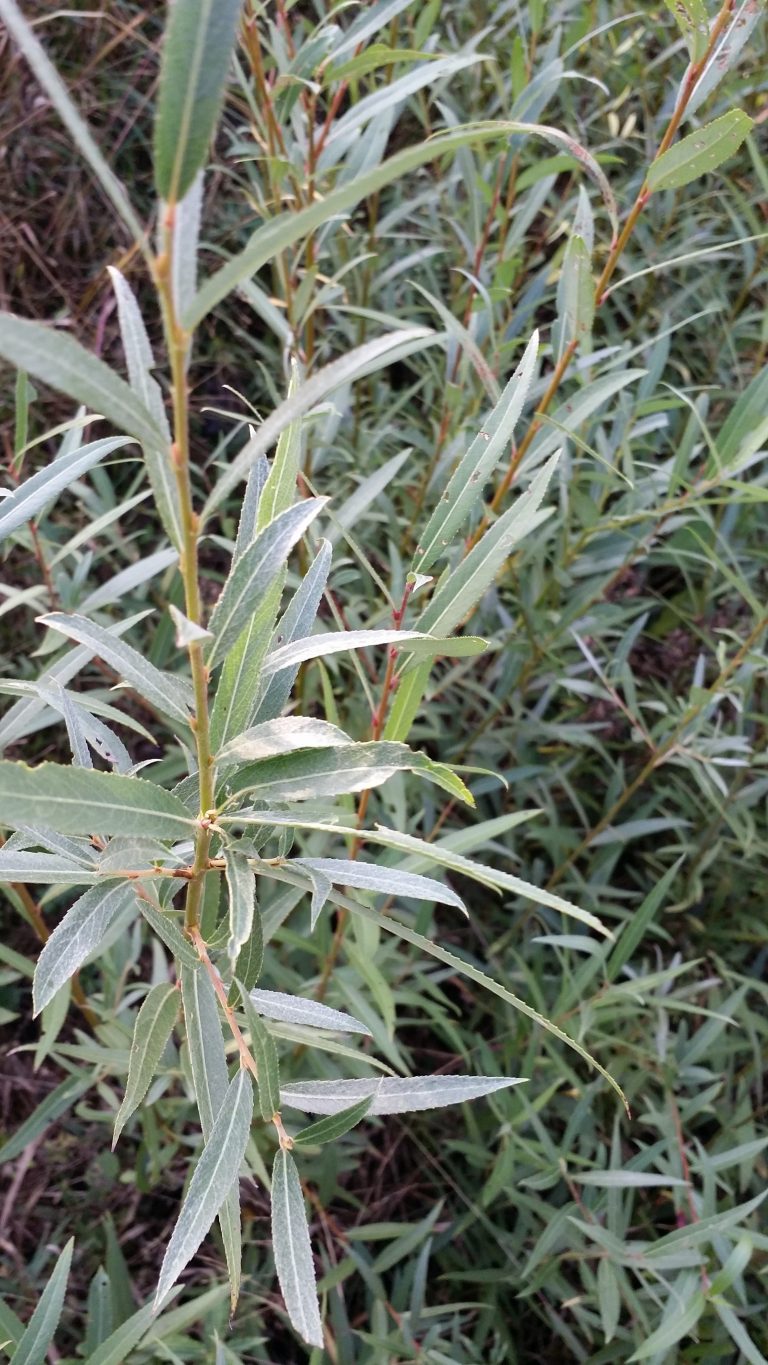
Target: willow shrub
{"points": [[202, 847]]}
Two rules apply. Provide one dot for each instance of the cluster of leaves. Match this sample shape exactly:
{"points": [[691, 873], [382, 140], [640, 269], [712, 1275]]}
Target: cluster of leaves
{"points": [[200, 817]]}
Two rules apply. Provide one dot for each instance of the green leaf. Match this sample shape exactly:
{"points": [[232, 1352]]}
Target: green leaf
{"points": [[29, 498], [44, 869], [114, 1351], [283, 735], [679, 1323], [255, 572], [251, 957], [292, 1250], [295, 1009], [693, 21], [58, 94], [393, 1094], [279, 491], [185, 233], [77, 936], [62, 362], [208, 1060], [216, 1173], [196, 54], [33, 1347], [100, 1317], [388, 881], [357, 363], [332, 642], [333, 1126], [72, 800], [11, 1327], [241, 884], [170, 694], [576, 294], [265, 1056], [288, 228], [699, 152], [312, 773], [141, 363], [465, 488], [295, 623], [744, 19], [154, 1025], [164, 925], [52, 1107]]}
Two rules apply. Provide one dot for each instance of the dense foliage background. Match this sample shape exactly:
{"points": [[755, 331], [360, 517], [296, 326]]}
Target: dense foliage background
{"points": [[618, 712]]}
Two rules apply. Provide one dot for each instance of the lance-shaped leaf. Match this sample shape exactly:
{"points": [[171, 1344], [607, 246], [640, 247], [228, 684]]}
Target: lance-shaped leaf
{"points": [[141, 363], [465, 488], [208, 1060], [334, 1125], [254, 573], [332, 642], [312, 773], [392, 1094], [170, 694], [114, 1350], [288, 228], [77, 936], [322, 887], [154, 1024], [388, 881], [58, 94], [357, 363], [280, 488], [576, 294], [31, 497], [167, 930], [744, 19], [295, 623], [33, 1347], [265, 1057], [185, 233], [43, 869], [251, 956], [699, 152], [293, 1253], [56, 1103], [282, 735], [60, 361], [196, 53], [71, 800], [241, 885], [294, 1009], [215, 1174], [693, 21]]}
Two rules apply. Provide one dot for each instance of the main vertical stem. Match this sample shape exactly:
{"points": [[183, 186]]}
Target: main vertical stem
{"points": [[178, 342]]}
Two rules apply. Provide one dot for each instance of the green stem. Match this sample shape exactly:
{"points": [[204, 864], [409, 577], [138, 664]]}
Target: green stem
{"points": [[178, 342]]}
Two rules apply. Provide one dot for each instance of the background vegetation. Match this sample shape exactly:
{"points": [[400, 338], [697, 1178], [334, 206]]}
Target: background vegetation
{"points": [[613, 734]]}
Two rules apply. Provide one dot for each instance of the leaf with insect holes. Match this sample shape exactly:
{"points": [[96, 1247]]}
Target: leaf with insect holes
{"points": [[292, 1250], [392, 1094], [213, 1177], [71, 800], [154, 1025], [77, 935], [29, 498], [265, 1056], [693, 22], [255, 572], [700, 152], [34, 1344], [197, 49], [465, 488], [168, 693]]}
